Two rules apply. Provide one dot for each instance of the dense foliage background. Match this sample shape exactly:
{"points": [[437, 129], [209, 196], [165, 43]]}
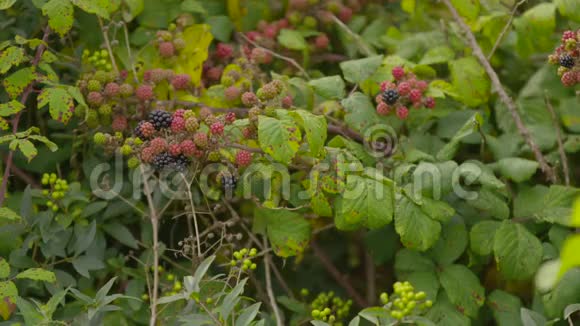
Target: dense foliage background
{"points": [[326, 162]]}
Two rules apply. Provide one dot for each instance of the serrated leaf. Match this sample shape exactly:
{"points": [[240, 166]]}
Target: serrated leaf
{"points": [[60, 15], [357, 71], [8, 289], [517, 169], [10, 108], [417, 230], [8, 214], [60, 103], [288, 231], [197, 38], [517, 252], [292, 39], [451, 243], [539, 21], [38, 274], [505, 307], [27, 148], [279, 138], [463, 289], [470, 126], [467, 9], [569, 8], [481, 237], [438, 54], [315, 129], [4, 268], [51, 146], [12, 56], [121, 233], [470, 81], [408, 261], [330, 88], [489, 201], [99, 7], [17, 82]]}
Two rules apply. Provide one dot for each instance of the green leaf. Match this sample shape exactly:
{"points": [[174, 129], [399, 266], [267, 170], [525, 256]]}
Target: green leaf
{"points": [[532, 318], [315, 128], [444, 313], [489, 201], [121, 233], [518, 252], [8, 214], [221, 27], [99, 7], [60, 102], [51, 146], [451, 243], [27, 148], [292, 39], [38, 274], [470, 126], [505, 308], [8, 289], [367, 201], [330, 88], [54, 301], [5, 4], [134, 8], [569, 8], [566, 291], [470, 81], [10, 108], [30, 313], [463, 289], [4, 268], [279, 138], [381, 244], [17, 82], [438, 54], [357, 71], [482, 237], [467, 9], [361, 114], [517, 169], [248, 315], [417, 230], [409, 261], [539, 21], [84, 264], [60, 15], [84, 236], [197, 37], [570, 309], [12, 56], [193, 6], [555, 206], [288, 231], [426, 282]]}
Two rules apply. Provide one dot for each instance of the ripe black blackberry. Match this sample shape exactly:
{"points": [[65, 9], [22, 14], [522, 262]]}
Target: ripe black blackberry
{"points": [[163, 161], [137, 131], [160, 119], [390, 96], [566, 61], [180, 163]]}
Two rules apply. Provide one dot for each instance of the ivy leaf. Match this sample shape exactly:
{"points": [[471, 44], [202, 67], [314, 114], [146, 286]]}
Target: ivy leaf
{"points": [[11, 57], [288, 231], [279, 138], [517, 169], [60, 103], [481, 237], [518, 253], [99, 7], [315, 129], [60, 15], [10, 108], [5, 4], [37, 274], [330, 88], [505, 308], [417, 230], [292, 39], [357, 71], [4, 268], [470, 81], [463, 289], [15, 83]]}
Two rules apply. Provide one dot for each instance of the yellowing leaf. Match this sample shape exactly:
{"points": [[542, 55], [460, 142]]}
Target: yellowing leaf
{"points": [[10, 108], [191, 58], [10, 57], [576, 214], [17, 82], [60, 102], [60, 15]]}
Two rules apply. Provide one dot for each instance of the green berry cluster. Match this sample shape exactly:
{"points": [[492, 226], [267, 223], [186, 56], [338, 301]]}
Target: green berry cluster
{"points": [[405, 301], [329, 308], [57, 189], [243, 257], [99, 59]]}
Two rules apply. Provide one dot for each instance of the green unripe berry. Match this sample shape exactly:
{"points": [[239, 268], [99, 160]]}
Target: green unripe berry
{"points": [[244, 251], [209, 300], [309, 22], [54, 208], [420, 295], [105, 110], [49, 203], [237, 255], [245, 267], [304, 292], [253, 252], [315, 313], [99, 138], [177, 286], [94, 85], [411, 305], [170, 277], [126, 150], [253, 266], [133, 162], [145, 297], [428, 303], [101, 75], [384, 298]]}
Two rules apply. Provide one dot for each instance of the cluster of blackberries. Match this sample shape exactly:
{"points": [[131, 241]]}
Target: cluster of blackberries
{"points": [[165, 161], [160, 119], [406, 91], [567, 58]]}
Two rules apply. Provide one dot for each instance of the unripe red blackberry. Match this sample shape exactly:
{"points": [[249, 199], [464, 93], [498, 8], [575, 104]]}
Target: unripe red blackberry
{"points": [[166, 49], [345, 14], [261, 56], [200, 139], [147, 154], [421, 85], [271, 31], [174, 149], [404, 88], [567, 35], [569, 78], [158, 145], [415, 95], [430, 103], [402, 112], [126, 90], [267, 92], [214, 73], [398, 72], [144, 92], [95, 98], [155, 76], [386, 85], [248, 132], [249, 99], [287, 102], [191, 124], [94, 85], [254, 113], [179, 113], [217, 128], [232, 93], [187, 147], [145, 129], [224, 51], [204, 112], [119, 123], [278, 85], [230, 118], [383, 108], [298, 4], [243, 158], [177, 124], [181, 81], [321, 42], [112, 89]]}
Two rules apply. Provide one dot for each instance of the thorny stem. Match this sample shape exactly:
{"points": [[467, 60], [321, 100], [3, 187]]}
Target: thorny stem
{"points": [[273, 303], [503, 95], [15, 121]]}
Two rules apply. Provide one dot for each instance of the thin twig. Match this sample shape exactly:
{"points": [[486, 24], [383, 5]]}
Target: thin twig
{"points": [[129, 52], [338, 277], [108, 45], [190, 196], [505, 29], [15, 121], [279, 56], [155, 224], [503, 95], [363, 45], [561, 150], [273, 303]]}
